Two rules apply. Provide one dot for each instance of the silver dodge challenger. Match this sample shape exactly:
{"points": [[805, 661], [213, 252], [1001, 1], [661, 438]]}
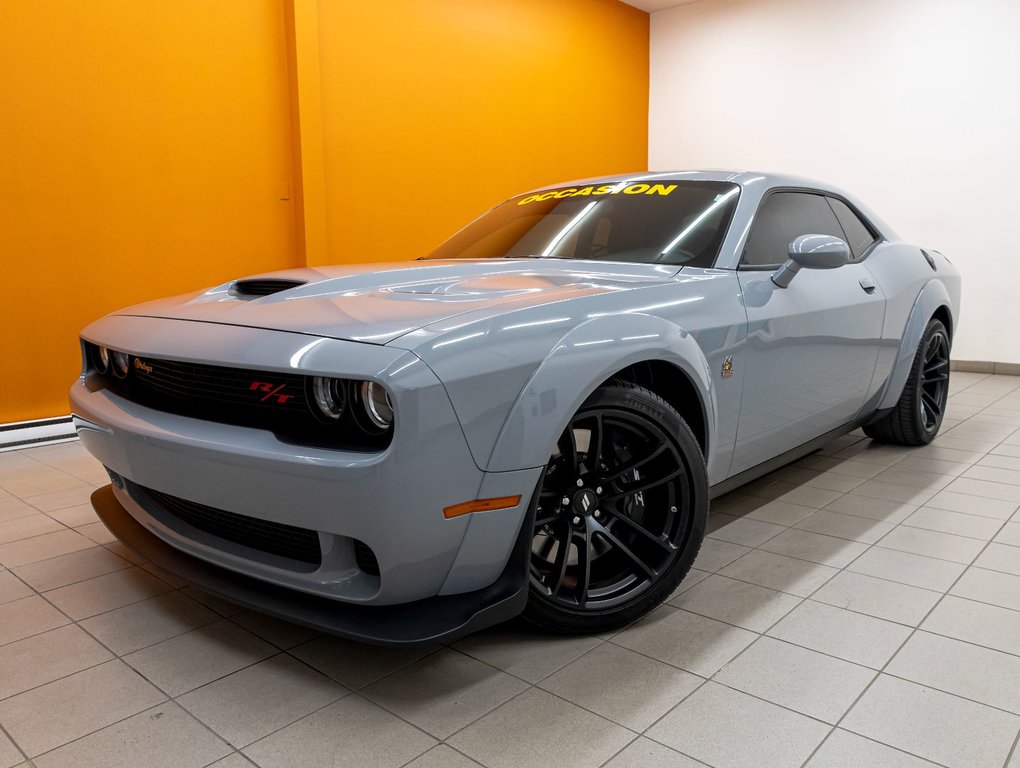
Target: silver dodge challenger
{"points": [[531, 419]]}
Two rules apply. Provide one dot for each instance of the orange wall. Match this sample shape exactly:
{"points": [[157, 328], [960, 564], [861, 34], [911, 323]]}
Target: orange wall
{"points": [[143, 151], [145, 146], [434, 111]]}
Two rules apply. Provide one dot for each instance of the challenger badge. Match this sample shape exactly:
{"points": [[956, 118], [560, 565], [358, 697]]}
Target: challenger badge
{"points": [[727, 367]]}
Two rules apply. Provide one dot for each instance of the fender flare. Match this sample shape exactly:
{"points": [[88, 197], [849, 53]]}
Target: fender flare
{"points": [[583, 359], [931, 298]]}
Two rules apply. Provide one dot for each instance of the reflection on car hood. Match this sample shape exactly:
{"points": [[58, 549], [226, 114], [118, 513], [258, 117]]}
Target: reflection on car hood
{"points": [[378, 303]]}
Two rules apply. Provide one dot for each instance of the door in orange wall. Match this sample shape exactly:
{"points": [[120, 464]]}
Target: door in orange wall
{"points": [[146, 149]]}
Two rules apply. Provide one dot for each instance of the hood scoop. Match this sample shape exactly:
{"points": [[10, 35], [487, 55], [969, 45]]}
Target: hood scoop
{"points": [[258, 287]]}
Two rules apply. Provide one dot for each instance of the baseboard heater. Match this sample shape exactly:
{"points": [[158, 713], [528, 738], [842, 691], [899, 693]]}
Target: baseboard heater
{"points": [[21, 434]]}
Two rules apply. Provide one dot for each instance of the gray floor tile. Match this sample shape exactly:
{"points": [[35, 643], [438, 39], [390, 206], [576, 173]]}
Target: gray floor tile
{"points": [[978, 623], [280, 633], [882, 510], [907, 568], [1010, 534], [973, 505], [247, 705], [43, 658], [529, 655], [537, 729], [28, 616], [963, 669], [942, 546], [352, 664], [741, 530], [956, 523], [235, 760], [903, 494], [27, 527], [443, 692], [80, 514], [55, 500], [847, 635], [986, 489], [848, 750], [779, 572], [805, 681], [933, 725], [104, 593], [350, 733], [792, 494], [442, 756], [780, 512], [845, 526], [645, 753], [707, 644], [44, 718], [730, 729], [12, 588], [187, 661], [68, 569], [1002, 589], [621, 685], [815, 547], [736, 602], [145, 623], [715, 554], [10, 757], [1000, 557], [42, 548], [883, 599], [162, 737]]}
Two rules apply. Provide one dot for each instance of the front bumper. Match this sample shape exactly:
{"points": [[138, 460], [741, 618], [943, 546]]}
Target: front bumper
{"points": [[391, 501], [422, 622]]}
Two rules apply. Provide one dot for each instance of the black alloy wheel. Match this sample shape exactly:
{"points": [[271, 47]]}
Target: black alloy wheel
{"points": [[917, 415], [934, 381], [621, 512]]}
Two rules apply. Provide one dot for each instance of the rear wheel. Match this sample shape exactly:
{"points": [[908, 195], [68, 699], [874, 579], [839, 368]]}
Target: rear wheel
{"points": [[917, 416], [621, 513]]}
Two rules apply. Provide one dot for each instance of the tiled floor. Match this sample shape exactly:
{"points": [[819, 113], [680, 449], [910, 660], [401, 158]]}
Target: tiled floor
{"points": [[860, 608]]}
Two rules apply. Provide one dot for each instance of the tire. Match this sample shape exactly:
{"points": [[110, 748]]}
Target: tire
{"points": [[917, 416], [621, 513]]}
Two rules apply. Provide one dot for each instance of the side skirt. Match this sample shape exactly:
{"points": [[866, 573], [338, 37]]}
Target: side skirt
{"points": [[742, 478]]}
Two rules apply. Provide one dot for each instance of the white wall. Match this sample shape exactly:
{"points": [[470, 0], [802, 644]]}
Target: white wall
{"points": [[912, 105]]}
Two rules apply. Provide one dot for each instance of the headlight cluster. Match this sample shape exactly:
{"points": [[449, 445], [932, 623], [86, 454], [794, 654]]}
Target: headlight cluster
{"points": [[332, 397], [106, 360]]}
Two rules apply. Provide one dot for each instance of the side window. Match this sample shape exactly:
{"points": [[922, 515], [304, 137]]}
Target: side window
{"points": [[858, 236], [782, 217]]}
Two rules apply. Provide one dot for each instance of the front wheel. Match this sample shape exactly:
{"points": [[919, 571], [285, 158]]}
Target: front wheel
{"points": [[621, 513]]}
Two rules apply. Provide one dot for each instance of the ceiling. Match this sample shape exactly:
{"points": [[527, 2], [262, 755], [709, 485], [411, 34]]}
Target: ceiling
{"points": [[657, 5]]}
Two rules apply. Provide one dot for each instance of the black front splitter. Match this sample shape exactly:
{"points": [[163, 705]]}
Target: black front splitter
{"points": [[421, 623]]}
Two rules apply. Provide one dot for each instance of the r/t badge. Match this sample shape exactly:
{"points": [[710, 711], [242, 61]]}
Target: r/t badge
{"points": [[727, 367]]}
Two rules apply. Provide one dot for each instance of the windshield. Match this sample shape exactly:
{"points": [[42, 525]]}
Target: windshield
{"points": [[667, 222]]}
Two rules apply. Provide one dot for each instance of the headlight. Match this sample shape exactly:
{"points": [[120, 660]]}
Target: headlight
{"points": [[101, 359], [377, 405], [120, 362], [328, 395]]}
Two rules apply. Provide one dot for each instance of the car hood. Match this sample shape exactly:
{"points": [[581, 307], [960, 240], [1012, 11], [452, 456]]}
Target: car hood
{"points": [[377, 303]]}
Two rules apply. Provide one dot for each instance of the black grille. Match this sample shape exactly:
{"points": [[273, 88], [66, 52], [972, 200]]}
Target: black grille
{"points": [[365, 558], [266, 287], [279, 539], [278, 402]]}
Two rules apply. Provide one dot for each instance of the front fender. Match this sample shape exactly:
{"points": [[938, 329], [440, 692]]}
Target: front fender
{"points": [[931, 297], [584, 358]]}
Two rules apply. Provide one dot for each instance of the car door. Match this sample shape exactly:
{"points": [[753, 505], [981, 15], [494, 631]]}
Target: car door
{"points": [[811, 347]]}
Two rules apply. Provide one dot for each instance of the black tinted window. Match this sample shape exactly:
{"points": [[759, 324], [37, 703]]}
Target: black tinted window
{"points": [[858, 236], [783, 217], [660, 222]]}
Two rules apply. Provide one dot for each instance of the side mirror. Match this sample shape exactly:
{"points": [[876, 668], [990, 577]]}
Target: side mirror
{"points": [[812, 252]]}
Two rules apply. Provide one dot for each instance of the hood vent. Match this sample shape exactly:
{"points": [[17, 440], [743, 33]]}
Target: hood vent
{"points": [[250, 289]]}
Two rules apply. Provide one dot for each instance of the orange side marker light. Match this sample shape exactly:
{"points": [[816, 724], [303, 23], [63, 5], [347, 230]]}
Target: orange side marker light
{"points": [[481, 505]]}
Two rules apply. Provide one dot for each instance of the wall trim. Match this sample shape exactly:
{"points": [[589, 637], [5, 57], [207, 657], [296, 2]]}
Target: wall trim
{"points": [[985, 366], [22, 434]]}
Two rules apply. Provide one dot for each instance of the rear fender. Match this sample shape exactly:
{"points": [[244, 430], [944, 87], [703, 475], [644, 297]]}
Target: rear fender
{"points": [[933, 296], [583, 359]]}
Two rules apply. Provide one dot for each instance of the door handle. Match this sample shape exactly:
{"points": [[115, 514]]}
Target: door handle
{"points": [[868, 285]]}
